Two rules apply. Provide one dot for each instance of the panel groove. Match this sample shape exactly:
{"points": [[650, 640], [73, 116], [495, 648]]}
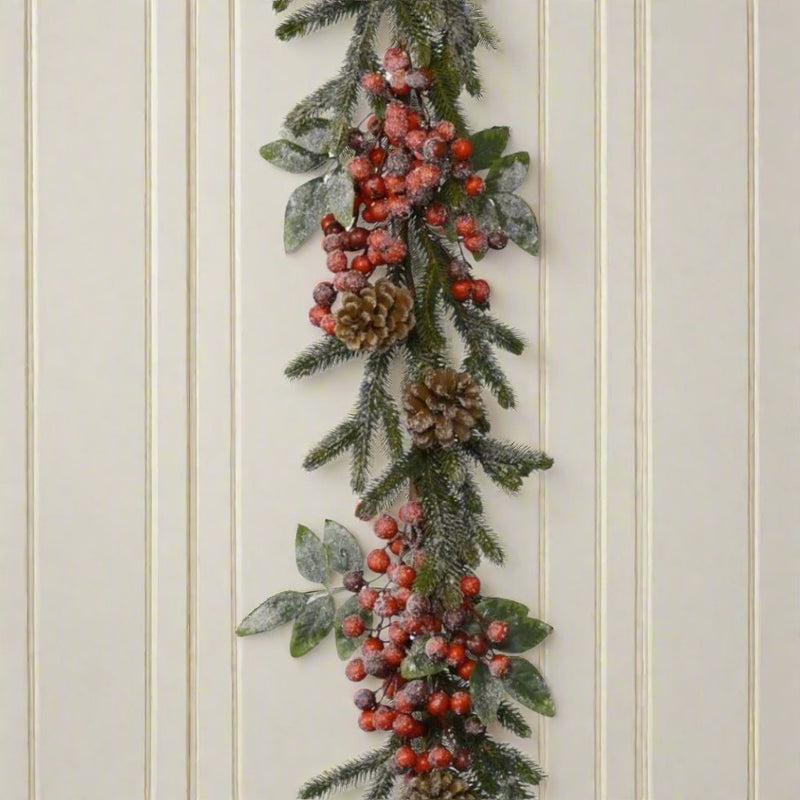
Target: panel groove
{"points": [[543, 103], [643, 404], [601, 394], [191, 390], [753, 402], [235, 387], [31, 342]]}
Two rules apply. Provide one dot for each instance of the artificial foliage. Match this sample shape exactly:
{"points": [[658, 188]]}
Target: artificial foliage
{"points": [[409, 202]]}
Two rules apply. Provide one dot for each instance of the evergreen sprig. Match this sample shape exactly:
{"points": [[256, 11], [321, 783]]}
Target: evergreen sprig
{"points": [[351, 773]]}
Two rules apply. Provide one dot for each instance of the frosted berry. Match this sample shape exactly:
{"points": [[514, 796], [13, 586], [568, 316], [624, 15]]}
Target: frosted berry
{"points": [[385, 527], [498, 240], [474, 727], [396, 58], [377, 156], [384, 718], [316, 314], [393, 655], [417, 692], [353, 627], [466, 225], [474, 186], [446, 130], [397, 635], [454, 618], [386, 606], [438, 703], [398, 163], [355, 139], [458, 270], [399, 206], [373, 82], [404, 725], [461, 170], [337, 261], [461, 290], [461, 703], [399, 83], [418, 606], [353, 580], [360, 168], [418, 79], [324, 294], [328, 324], [436, 648], [436, 215], [378, 561], [376, 665], [456, 655], [481, 291], [423, 764], [462, 149], [371, 645], [401, 594], [395, 184], [374, 188], [350, 281], [440, 757], [366, 721], [364, 699], [405, 757], [415, 140], [478, 645], [497, 632], [355, 670], [470, 586], [405, 576], [477, 243], [466, 669], [333, 241], [499, 665], [434, 149], [396, 123], [367, 598]]}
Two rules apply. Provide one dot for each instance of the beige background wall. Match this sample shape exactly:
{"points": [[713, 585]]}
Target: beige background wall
{"points": [[149, 470]]}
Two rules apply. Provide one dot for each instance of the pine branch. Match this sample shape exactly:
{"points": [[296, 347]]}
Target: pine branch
{"points": [[386, 488], [347, 775], [316, 16], [318, 357], [333, 445], [512, 720], [506, 464], [382, 785]]}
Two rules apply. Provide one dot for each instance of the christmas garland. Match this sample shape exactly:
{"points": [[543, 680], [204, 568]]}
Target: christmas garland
{"points": [[407, 200]]}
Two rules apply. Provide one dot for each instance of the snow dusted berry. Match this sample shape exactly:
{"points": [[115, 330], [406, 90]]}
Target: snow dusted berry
{"points": [[497, 632], [376, 665], [474, 186], [366, 721], [316, 314], [328, 324], [466, 225], [324, 294], [481, 291], [404, 726], [350, 281], [474, 727], [418, 606], [332, 242], [478, 644], [476, 243], [393, 655], [461, 703], [367, 597], [417, 692], [412, 512], [434, 149], [353, 580], [364, 699], [386, 606], [385, 527], [458, 270], [455, 618], [378, 561], [373, 82], [462, 149], [415, 140], [360, 168], [355, 139], [418, 79], [396, 123], [456, 655], [374, 187], [397, 635], [436, 648], [337, 261], [405, 576], [440, 757], [461, 170], [399, 206], [363, 265], [399, 83], [355, 670], [446, 130], [353, 626], [405, 757], [398, 162], [436, 215], [498, 240], [396, 58], [395, 184], [499, 665], [470, 586], [425, 176]]}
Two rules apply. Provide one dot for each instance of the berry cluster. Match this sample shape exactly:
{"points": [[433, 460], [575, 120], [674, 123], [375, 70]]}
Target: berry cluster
{"points": [[395, 624], [402, 159]]}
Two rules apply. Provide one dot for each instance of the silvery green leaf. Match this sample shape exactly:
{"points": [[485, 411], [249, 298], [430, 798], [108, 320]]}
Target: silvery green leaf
{"points": [[291, 157], [488, 146], [487, 216], [502, 609], [304, 210], [508, 173], [272, 613], [417, 665], [339, 193], [316, 136], [346, 647], [312, 562], [518, 221], [486, 691], [526, 685], [343, 549], [312, 625]]}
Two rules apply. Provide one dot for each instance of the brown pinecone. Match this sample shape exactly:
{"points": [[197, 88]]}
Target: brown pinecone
{"points": [[443, 408], [437, 786], [375, 318]]}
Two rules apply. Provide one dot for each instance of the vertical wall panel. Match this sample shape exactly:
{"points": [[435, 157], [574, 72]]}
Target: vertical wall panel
{"points": [[700, 373], [13, 409], [90, 275], [779, 398], [571, 265]]}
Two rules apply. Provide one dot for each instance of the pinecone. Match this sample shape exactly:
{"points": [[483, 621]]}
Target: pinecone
{"points": [[375, 318], [437, 786], [443, 408]]}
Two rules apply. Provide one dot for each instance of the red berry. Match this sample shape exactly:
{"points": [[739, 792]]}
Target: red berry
{"points": [[316, 314], [474, 186], [405, 757], [367, 598], [375, 188], [384, 718], [353, 626], [386, 606], [385, 527], [438, 703], [362, 264], [397, 635], [376, 156], [461, 703], [470, 586], [466, 669], [372, 645], [360, 168], [461, 290], [356, 239], [395, 185], [396, 58], [414, 119], [327, 221], [446, 130], [399, 83], [378, 561], [436, 215], [423, 764], [401, 594], [462, 760], [405, 576], [412, 512], [499, 665], [373, 82], [477, 243], [477, 645], [404, 725], [481, 291], [402, 703], [380, 211], [328, 324], [440, 757], [337, 261], [456, 655], [436, 648], [462, 149], [497, 631], [466, 226], [397, 546], [366, 721], [355, 670]]}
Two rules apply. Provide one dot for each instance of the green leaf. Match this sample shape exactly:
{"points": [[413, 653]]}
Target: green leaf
{"points": [[518, 221], [291, 157], [316, 135], [312, 563], [313, 624], [497, 608], [346, 647], [524, 634], [487, 215], [339, 193], [343, 549], [304, 210], [417, 665], [488, 146], [486, 691], [526, 685], [272, 613], [508, 173]]}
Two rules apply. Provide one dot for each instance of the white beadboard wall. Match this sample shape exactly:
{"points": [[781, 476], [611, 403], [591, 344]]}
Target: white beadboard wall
{"points": [[150, 478]]}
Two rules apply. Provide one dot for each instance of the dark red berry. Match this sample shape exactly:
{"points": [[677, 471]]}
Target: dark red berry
{"points": [[461, 703], [384, 718], [440, 757], [498, 240], [438, 703], [477, 645], [355, 670], [461, 290], [436, 648], [316, 314], [462, 149], [436, 215], [481, 291], [456, 655], [462, 760], [470, 586], [466, 669], [405, 757], [366, 721]]}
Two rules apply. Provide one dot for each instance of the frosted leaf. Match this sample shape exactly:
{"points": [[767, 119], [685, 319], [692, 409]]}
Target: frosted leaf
{"points": [[343, 549], [488, 146], [486, 691], [316, 136], [303, 213], [272, 613], [313, 624], [291, 157], [518, 221], [527, 686], [488, 219], [339, 196], [508, 173], [312, 562]]}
